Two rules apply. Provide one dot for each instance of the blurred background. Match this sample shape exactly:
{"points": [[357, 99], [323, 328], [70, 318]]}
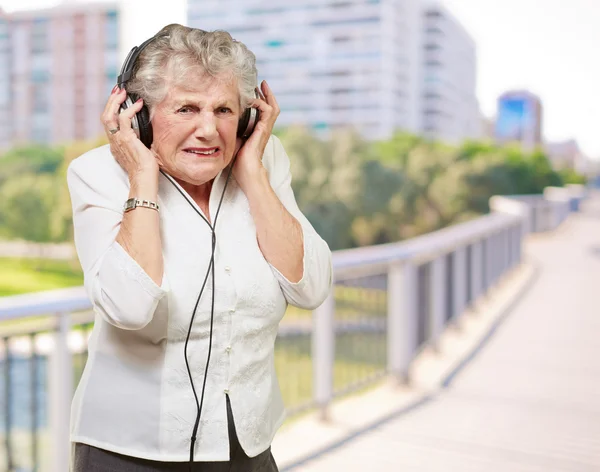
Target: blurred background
{"points": [[402, 118]]}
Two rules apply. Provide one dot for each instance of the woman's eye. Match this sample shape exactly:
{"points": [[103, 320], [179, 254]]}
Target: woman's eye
{"points": [[224, 110], [185, 110]]}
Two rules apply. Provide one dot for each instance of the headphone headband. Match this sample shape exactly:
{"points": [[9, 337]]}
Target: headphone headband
{"points": [[129, 63]]}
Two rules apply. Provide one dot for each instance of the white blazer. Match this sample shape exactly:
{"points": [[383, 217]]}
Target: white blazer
{"points": [[135, 397]]}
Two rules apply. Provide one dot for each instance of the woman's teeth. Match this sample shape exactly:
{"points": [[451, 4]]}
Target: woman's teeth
{"points": [[206, 153]]}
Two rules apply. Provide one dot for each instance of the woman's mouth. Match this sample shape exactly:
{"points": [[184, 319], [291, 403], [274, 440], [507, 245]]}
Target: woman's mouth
{"points": [[202, 152]]}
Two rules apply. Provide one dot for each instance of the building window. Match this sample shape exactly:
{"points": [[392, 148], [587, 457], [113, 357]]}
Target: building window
{"points": [[40, 76], [39, 36], [342, 39], [434, 30], [352, 21], [111, 30], [274, 43], [40, 135]]}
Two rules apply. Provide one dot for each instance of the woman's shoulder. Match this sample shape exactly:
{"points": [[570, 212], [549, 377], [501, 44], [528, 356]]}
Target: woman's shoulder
{"points": [[275, 159], [98, 167], [96, 176]]}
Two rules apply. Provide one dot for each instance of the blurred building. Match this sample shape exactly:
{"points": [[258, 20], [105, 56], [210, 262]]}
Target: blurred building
{"points": [[450, 109], [567, 155], [5, 82], [331, 64], [61, 65], [519, 119]]}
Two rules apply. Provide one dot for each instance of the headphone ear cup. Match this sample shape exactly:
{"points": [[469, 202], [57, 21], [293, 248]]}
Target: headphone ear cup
{"points": [[146, 134], [140, 123], [243, 123], [247, 122], [143, 123]]}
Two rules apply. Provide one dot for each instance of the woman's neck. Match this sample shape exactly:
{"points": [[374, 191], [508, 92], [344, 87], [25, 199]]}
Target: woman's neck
{"points": [[199, 193]]}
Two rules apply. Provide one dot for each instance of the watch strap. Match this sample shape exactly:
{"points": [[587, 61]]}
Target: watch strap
{"points": [[133, 203]]}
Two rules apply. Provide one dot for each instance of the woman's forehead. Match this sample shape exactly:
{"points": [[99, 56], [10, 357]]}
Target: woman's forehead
{"points": [[204, 89]]}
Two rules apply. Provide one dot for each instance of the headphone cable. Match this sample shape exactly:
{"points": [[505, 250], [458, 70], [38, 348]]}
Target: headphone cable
{"points": [[211, 268]]}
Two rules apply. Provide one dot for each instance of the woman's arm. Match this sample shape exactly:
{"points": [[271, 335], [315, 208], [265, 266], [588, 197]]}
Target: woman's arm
{"points": [[139, 233], [279, 234], [120, 253], [119, 287], [299, 257]]}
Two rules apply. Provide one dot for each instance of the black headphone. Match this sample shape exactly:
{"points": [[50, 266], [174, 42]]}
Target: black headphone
{"points": [[140, 123]]}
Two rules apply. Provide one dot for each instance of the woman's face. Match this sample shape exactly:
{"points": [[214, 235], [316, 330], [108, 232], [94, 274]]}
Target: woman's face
{"points": [[195, 128]]}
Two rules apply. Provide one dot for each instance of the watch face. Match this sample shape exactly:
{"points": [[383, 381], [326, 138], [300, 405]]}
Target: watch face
{"points": [[130, 204]]}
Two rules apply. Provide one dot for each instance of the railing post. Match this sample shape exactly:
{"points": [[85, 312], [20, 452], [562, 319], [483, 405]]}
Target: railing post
{"points": [[498, 254], [519, 237], [60, 383], [460, 281], [323, 353], [502, 245], [437, 300], [489, 262], [8, 404], [476, 270], [402, 318]]}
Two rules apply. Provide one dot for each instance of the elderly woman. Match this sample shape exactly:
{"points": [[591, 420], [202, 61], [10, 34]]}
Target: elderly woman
{"points": [[192, 246]]}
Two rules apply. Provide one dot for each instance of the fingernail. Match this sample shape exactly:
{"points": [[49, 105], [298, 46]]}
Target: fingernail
{"points": [[139, 100], [115, 88]]}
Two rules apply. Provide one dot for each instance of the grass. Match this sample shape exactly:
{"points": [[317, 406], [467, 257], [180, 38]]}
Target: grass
{"points": [[24, 275]]}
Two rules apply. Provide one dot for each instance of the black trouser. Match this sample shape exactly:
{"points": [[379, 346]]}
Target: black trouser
{"points": [[91, 459]]}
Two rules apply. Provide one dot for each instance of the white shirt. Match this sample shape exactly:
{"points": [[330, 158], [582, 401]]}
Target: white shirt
{"points": [[134, 397]]}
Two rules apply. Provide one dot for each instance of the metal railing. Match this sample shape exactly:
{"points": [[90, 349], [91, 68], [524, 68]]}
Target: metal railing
{"points": [[387, 303]]}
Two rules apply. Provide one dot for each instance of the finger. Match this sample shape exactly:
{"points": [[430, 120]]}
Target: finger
{"points": [[269, 97], [111, 108], [260, 93], [126, 115], [265, 109]]}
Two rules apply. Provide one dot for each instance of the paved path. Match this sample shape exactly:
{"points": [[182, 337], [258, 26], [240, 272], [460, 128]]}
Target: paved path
{"points": [[529, 401]]}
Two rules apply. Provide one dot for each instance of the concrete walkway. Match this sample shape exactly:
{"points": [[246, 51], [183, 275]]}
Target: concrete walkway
{"points": [[529, 400]]}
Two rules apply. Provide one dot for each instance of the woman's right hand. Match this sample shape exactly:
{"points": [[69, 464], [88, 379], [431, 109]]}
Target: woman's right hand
{"points": [[133, 156]]}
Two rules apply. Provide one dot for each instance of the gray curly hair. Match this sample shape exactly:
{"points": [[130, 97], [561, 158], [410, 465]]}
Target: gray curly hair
{"points": [[178, 49]]}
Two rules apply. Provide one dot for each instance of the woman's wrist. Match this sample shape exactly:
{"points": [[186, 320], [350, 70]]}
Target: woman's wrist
{"points": [[144, 184]]}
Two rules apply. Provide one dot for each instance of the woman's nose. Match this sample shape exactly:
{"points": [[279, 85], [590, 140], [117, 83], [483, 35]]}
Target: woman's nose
{"points": [[206, 127]]}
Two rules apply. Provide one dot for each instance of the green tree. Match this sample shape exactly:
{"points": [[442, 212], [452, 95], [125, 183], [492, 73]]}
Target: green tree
{"points": [[33, 159], [374, 219], [326, 180], [569, 176], [27, 204]]}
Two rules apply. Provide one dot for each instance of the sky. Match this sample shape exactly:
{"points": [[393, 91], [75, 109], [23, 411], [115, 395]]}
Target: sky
{"points": [[550, 47]]}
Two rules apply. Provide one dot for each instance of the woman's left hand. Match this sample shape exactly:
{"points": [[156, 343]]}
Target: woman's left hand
{"points": [[248, 164]]}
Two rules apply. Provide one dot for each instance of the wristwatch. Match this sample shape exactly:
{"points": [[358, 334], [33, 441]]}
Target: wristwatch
{"points": [[133, 203]]}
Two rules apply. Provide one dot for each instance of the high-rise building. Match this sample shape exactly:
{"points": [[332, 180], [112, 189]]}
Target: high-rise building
{"points": [[519, 119], [567, 155], [5, 82], [62, 64], [331, 64], [450, 109]]}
